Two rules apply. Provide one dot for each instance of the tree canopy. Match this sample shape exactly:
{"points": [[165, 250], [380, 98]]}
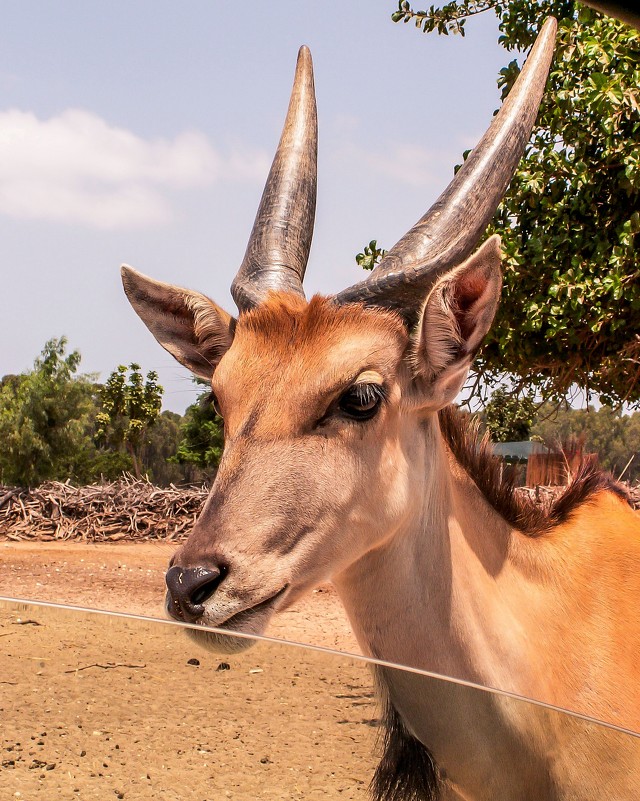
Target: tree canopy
{"points": [[130, 405], [570, 313], [202, 434], [45, 419], [614, 436], [57, 424], [508, 417]]}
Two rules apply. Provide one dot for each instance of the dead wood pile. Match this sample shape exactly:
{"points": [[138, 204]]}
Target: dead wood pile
{"points": [[128, 509], [545, 496]]}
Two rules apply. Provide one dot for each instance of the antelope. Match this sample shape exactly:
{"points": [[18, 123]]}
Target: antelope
{"points": [[346, 461]]}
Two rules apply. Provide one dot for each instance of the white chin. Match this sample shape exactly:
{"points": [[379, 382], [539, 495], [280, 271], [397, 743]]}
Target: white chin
{"points": [[252, 623], [220, 643]]}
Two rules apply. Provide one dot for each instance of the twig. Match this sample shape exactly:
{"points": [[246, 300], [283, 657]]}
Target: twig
{"points": [[108, 666], [8, 495]]}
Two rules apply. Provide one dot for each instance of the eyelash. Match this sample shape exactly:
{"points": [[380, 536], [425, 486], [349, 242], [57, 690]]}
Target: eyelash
{"points": [[361, 402]]}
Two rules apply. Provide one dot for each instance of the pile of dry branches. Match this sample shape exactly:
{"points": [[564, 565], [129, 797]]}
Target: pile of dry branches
{"points": [[545, 496], [124, 510], [128, 509]]}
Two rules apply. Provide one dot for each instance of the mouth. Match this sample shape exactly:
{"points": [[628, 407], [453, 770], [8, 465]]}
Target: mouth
{"points": [[246, 620], [249, 622]]}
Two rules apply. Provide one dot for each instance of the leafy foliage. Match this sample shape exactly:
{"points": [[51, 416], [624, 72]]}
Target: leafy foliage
{"points": [[162, 441], [129, 407], [571, 302], [450, 18], [58, 425], [371, 255], [202, 432], [45, 419], [508, 417]]}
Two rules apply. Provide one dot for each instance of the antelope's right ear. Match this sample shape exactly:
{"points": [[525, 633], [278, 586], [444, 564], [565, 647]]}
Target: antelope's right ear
{"points": [[191, 327]]}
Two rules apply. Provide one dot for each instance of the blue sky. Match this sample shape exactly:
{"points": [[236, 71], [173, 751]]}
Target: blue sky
{"points": [[142, 132]]}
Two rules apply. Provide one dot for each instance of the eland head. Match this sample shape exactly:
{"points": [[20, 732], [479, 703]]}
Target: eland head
{"points": [[326, 403]]}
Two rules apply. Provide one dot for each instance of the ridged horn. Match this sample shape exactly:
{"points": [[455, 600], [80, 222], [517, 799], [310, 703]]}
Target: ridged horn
{"points": [[278, 249], [450, 230]]}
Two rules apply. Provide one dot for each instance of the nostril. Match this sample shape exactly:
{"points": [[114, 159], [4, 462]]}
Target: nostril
{"points": [[190, 587], [206, 590]]}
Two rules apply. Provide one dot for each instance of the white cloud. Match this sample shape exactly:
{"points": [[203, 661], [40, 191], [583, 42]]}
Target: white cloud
{"points": [[408, 163], [245, 165], [76, 168]]}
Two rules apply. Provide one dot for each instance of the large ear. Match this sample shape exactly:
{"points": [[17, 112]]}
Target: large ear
{"points": [[187, 324], [456, 317]]}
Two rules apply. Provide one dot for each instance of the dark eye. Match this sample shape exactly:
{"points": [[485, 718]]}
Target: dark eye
{"points": [[362, 401]]}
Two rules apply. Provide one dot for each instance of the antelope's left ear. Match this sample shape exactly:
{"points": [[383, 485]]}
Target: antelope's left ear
{"points": [[456, 317]]}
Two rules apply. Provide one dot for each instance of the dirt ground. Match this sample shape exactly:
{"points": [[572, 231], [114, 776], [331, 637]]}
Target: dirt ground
{"points": [[129, 577], [96, 707]]}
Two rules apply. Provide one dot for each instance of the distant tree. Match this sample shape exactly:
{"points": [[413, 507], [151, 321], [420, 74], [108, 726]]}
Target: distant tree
{"points": [[614, 436], [202, 434], [104, 464], [163, 439], [570, 309], [129, 407], [45, 420], [509, 418]]}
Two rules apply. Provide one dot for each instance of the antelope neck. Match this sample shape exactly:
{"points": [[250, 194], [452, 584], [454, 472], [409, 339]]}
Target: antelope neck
{"points": [[441, 593]]}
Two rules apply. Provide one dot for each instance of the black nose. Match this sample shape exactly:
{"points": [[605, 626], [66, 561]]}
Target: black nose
{"points": [[189, 588]]}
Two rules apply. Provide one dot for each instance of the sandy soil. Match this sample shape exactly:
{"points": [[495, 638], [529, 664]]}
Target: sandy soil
{"points": [[129, 577], [96, 707]]}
